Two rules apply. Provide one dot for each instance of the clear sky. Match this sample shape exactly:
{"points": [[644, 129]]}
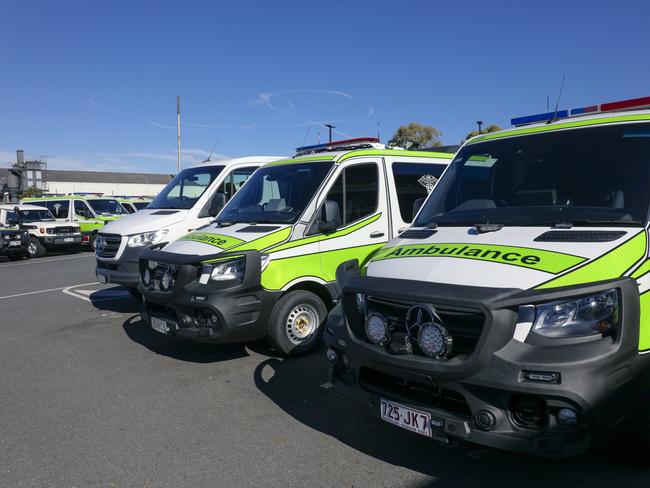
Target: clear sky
{"points": [[93, 84]]}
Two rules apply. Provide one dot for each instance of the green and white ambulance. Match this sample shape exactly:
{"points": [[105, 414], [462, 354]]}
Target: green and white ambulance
{"points": [[515, 311], [90, 212], [266, 267], [45, 232]]}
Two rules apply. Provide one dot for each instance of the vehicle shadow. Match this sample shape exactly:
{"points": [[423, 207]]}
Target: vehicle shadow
{"points": [[175, 348], [115, 299], [299, 387]]}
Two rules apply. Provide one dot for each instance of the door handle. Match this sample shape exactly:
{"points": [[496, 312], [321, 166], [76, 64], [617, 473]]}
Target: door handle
{"points": [[376, 234]]}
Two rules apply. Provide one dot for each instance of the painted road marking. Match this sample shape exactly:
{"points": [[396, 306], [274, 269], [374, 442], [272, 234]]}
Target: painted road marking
{"points": [[42, 291]]}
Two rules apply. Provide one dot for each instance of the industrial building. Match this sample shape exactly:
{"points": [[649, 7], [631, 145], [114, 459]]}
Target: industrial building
{"points": [[24, 174]]}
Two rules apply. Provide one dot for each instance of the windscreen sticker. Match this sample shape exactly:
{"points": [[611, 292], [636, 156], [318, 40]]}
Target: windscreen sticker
{"points": [[216, 240], [539, 259]]}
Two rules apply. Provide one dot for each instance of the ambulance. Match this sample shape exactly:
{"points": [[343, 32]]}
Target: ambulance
{"points": [[515, 311], [266, 266], [190, 200]]}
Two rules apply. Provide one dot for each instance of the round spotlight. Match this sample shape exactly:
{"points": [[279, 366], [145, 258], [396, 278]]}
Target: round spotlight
{"points": [[377, 329], [567, 417], [331, 355], [146, 277], [166, 281], [152, 264], [434, 341]]}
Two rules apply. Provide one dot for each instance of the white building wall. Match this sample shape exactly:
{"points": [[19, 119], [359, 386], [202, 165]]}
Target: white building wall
{"points": [[107, 189]]}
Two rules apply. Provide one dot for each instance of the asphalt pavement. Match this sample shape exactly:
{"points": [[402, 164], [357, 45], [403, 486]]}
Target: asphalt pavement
{"points": [[91, 397]]}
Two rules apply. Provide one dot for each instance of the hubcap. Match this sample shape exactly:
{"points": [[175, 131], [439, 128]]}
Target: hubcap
{"points": [[301, 323], [32, 248]]}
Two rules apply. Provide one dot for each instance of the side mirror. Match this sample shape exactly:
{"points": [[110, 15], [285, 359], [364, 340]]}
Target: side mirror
{"points": [[331, 219], [417, 205], [218, 202]]}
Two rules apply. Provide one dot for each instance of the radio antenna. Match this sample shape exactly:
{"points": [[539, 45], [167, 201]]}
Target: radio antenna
{"points": [[211, 151], [557, 105], [306, 134]]}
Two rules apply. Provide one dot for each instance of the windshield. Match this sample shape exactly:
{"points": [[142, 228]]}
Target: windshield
{"points": [[30, 216], [106, 206], [140, 205], [587, 176], [186, 188], [276, 194]]}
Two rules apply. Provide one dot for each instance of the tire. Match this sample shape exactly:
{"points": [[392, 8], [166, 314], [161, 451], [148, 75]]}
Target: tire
{"points": [[35, 248], [297, 322], [135, 294]]}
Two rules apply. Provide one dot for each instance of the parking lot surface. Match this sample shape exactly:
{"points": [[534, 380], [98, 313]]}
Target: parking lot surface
{"points": [[89, 396]]}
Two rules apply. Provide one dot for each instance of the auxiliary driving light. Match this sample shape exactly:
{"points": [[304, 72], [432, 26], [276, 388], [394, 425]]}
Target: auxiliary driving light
{"points": [[331, 355], [567, 417], [377, 329], [166, 281], [146, 277], [434, 341]]}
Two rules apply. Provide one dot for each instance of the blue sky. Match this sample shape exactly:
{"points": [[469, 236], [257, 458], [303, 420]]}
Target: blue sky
{"points": [[93, 85]]}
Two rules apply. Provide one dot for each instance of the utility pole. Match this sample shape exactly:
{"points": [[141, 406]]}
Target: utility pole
{"points": [[330, 127], [479, 123], [178, 126]]}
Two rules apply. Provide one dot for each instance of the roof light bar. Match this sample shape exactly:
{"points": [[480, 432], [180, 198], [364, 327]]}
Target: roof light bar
{"points": [[631, 104], [330, 146]]}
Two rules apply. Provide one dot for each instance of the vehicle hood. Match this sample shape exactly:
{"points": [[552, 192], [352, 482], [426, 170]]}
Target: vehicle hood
{"points": [[239, 237], [144, 220], [513, 257]]}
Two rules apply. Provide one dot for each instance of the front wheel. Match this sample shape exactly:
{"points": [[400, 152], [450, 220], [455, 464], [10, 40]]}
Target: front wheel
{"points": [[296, 323], [35, 248]]}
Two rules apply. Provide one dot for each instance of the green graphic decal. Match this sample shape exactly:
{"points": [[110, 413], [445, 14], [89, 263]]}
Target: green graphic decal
{"points": [[308, 159], [565, 125], [641, 270], [606, 267], [258, 244], [539, 259], [324, 237], [217, 240], [644, 322], [393, 152], [280, 272]]}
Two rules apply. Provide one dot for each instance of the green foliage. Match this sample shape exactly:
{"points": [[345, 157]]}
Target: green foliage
{"points": [[32, 191], [416, 136], [489, 128]]}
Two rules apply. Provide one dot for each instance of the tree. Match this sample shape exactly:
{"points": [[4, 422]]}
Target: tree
{"points": [[416, 136], [32, 191], [489, 128]]}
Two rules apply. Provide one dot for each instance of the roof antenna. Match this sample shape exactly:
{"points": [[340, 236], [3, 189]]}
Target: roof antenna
{"points": [[557, 105], [210, 155], [306, 134]]}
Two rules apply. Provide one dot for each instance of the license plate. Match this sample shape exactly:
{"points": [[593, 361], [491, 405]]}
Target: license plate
{"points": [[406, 417], [14, 243], [101, 277], [159, 325], [68, 239]]}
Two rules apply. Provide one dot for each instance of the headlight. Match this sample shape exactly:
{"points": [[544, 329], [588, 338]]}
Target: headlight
{"points": [[50, 231], [166, 281], [586, 316], [377, 329], [228, 270], [146, 277], [147, 238], [76, 229]]}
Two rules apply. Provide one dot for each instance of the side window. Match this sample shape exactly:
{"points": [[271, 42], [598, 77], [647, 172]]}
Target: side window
{"points": [[59, 208], [234, 181], [356, 190], [413, 181], [81, 209]]}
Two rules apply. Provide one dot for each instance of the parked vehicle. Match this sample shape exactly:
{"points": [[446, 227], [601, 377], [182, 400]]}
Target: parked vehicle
{"points": [[190, 201], [89, 212], [266, 266], [133, 204], [13, 242], [514, 312], [45, 232]]}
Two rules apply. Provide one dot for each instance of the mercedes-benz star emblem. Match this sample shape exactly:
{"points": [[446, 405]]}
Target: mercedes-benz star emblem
{"points": [[425, 328]]}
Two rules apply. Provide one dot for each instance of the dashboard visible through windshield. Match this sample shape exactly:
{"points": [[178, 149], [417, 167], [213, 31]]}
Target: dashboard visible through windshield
{"points": [[589, 176]]}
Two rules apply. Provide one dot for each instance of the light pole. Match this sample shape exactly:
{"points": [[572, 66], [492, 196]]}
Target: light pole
{"points": [[330, 127], [178, 129]]}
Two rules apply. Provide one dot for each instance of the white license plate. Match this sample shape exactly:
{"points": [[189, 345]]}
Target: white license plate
{"points": [[406, 417], [68, 239], [14, 243], [101, 277], [159, 325]]}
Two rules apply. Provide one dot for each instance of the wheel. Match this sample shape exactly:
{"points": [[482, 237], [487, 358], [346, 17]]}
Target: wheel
{"points": [[73, 249], [35, 248], [297, 322], [135, 294]]}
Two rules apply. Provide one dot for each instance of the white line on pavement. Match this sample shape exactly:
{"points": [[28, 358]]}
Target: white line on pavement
{"points": [[44, 291], [43, 261]]}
